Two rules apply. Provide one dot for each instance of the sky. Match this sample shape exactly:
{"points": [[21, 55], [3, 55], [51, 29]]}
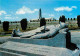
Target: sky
{"points": [[15, 10]]}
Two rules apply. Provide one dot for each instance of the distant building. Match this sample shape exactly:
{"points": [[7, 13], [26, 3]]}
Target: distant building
{"points": [[40, 16], [14, 22], [38, 20]]}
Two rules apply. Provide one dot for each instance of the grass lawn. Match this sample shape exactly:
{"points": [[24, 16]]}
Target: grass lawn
{"points": [[9, 32], [73, 25], [6, 35]]}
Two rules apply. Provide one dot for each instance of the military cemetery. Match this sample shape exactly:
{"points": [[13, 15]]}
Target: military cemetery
{"points": [[38, 32]]}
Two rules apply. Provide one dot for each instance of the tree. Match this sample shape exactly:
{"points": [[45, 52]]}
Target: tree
{"points": [[68, 19], [55, 19], [24, 24], [0, 21], [42, 22], [71, 19], [5, 25], [78, 20], [74, 18], [62, 19]]}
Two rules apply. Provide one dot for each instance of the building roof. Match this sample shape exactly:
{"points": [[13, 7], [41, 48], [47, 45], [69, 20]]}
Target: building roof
{"points": [[45, 18]]}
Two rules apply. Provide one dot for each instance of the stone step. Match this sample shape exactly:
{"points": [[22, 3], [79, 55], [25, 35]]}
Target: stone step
{"points": [[20, 48], [33, 49], [5, 53]]}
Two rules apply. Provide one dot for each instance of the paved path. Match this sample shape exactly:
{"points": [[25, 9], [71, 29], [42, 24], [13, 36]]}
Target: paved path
{"points": [[3, 39], [75, 38]]}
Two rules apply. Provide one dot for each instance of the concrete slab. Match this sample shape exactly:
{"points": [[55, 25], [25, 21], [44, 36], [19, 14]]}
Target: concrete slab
{"points": [[34, 50]]}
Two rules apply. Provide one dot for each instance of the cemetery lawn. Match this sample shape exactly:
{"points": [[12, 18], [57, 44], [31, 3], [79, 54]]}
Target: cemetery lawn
{"points": [[72, 25], [9, 32], [7, 35]]}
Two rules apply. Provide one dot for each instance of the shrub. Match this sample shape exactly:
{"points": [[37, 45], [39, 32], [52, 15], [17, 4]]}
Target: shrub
{"points": [[24, 24], [74, 18], [71, 19], [62, 19], [0, 21], [42, 22], [78, 20], [68, 19], [5, 25]]}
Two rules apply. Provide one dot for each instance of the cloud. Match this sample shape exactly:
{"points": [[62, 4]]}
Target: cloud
{"points": [[16, 17], [51, 15], [25, 10], [9, 17], [65, 8], [2, 12]]}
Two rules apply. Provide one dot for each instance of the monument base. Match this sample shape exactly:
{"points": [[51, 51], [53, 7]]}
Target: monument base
{"points": [[21, 49]]}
